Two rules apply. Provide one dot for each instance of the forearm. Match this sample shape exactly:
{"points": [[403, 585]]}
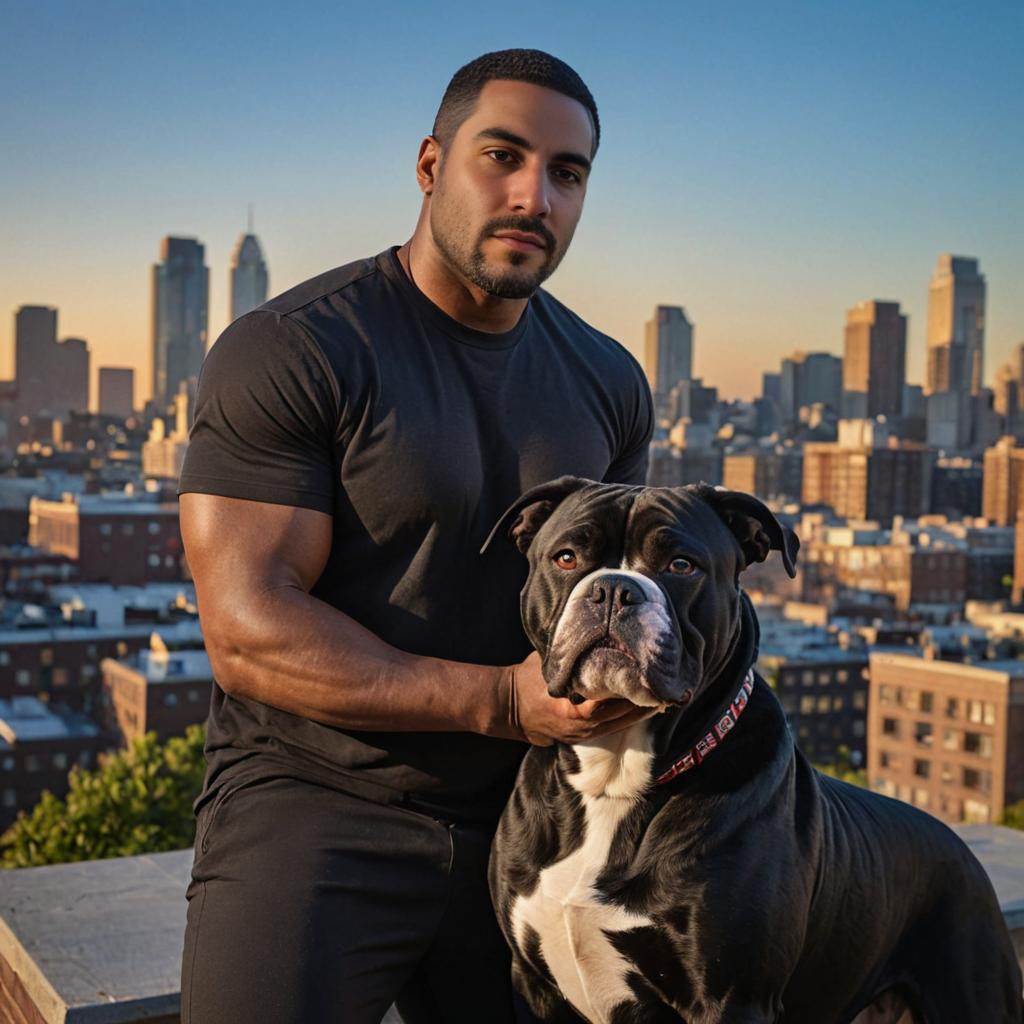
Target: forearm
{"points": [[289, 650]]}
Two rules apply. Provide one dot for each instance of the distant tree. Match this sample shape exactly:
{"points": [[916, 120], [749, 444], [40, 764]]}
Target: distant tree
{"points": [[843, 768], [1013, 815], [138, 801]]}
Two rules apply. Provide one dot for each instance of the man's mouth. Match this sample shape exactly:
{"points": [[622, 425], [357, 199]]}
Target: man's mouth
{"points": [[521, 241]]}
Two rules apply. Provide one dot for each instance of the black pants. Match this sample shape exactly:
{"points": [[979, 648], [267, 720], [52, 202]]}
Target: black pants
{"points": [[308, 905]]}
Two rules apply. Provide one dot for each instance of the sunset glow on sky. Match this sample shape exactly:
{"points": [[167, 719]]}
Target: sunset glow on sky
{"points": [[766, 166]]}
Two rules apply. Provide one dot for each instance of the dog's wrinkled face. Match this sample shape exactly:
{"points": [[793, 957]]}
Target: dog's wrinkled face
{"points": [[626, 587]]}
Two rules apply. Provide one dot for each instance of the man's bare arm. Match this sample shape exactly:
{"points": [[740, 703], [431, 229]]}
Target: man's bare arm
{"points": [[268, 639]]}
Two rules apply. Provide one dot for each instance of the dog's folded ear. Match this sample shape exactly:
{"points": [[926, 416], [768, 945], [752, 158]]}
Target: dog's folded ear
{"points": [[532, 509], [754, 525]]}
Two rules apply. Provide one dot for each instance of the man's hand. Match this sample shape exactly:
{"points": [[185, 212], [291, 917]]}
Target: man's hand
{"points": [[544, 719]]}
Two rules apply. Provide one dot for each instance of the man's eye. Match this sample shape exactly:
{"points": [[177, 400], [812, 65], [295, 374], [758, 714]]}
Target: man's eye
{"points": [[681, 567], [501, 156], [569, 177], [566, 559]]}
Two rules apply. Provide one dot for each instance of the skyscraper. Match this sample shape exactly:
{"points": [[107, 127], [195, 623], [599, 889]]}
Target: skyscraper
{"points": [[181, 283], [874, 360], [956, 327], [248, 275], [70, 377], [35, 340], [668, 349], [808, 378], [117, 391]]}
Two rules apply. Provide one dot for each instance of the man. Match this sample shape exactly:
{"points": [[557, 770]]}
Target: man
{"points": [[355, 440]]}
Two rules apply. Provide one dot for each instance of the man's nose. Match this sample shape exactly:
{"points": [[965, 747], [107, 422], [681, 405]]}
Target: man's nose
{"points": [[530, 193]]}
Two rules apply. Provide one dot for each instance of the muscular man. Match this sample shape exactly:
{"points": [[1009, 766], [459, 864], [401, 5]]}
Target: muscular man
{"points": [[355, 440]]}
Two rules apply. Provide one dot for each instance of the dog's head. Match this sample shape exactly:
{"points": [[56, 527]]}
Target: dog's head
{"points": [[634, 591]]}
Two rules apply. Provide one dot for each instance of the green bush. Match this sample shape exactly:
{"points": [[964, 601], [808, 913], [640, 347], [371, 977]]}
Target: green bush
{"points": [[138, 801]]}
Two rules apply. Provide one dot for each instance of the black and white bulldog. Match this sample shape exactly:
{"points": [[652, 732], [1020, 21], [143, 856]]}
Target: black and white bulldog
{"points": [[694, 867]]}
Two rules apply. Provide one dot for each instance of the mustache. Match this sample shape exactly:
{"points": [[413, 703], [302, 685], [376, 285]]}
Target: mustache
{"points": [[525, 224]]}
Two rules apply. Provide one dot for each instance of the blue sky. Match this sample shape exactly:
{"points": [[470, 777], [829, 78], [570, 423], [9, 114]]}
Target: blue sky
{"points": [[767, 166]]}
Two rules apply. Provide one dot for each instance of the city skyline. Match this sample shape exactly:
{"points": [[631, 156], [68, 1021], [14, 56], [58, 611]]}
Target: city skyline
{"points": [[765, 170]]}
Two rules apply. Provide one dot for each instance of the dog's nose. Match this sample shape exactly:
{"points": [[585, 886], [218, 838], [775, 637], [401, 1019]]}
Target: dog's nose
{"points": [[621, 591]]}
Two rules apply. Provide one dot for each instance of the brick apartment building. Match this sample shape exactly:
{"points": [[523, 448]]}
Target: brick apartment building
{"points": [[113, 539], [770, 473], [38, 747], [157, 691], [947, 737], [824, 692]]}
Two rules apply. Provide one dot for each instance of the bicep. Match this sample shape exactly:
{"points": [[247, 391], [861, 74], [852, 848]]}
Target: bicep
{"points": [[239, 549]]}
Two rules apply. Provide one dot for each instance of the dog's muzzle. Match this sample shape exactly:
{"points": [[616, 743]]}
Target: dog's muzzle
{"points": [[616, 637]]}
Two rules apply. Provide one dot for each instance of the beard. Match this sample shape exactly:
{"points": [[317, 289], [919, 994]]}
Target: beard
{"points": [[509, 279]]}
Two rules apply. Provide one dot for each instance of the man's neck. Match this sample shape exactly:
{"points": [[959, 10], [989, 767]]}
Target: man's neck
{"points": [[460, 299]]}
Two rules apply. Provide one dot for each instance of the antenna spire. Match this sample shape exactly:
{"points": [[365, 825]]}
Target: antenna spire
{"points": [[250, 218]]}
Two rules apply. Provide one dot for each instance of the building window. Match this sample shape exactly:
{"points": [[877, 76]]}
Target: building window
{"points": [[838, 703], [806, 705], [170, 700], [842, 675], [127, 529], [84, 759], [5, 658], [912, 702], [947, 773], [971, 778], [10, 798], [60, 677], [950, 739], [978, 743], [46, 656], [975, 711], [952, 708], [106, 529], [122, 648], [860, 700], [90, 651], [154, 561], [787, 678], [153, 528], [193, 696], [927, 701], [23, 677], [922, 768], [8, 764], [824, 705], [890, 727], [883, 758], [976, 811], [807, 677], [859, 728], [923, 734], [60, 761], [921, 797], [989, 713], [31, 763], [824, 679]]}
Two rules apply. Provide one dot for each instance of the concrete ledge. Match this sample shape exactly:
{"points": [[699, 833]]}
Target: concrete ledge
{"points": [[100, 942]]}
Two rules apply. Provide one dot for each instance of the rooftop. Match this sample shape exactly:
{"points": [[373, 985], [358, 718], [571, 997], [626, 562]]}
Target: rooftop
{"points": [[24, 719]]}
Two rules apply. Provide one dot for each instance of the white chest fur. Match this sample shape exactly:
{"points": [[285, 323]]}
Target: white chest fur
{"points": [[565, 909]]}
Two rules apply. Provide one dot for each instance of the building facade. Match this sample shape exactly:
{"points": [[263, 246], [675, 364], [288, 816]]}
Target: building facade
{"points": [[248, 276], [947, 737], [874, 360], [668, 349], [116, 391], [180, 310]]}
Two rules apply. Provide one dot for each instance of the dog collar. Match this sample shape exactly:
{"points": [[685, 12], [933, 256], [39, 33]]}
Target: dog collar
{"points": [[706, 744]]}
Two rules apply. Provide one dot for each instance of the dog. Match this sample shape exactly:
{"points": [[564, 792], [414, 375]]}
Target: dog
{"points": [[694, 867]]}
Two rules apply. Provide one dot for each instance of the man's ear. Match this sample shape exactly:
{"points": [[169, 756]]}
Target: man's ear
{"points": [[426, 164], [532, 510], [754, 525]]}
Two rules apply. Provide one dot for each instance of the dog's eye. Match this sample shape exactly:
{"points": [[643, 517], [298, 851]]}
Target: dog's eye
{"points": [[566, 559], [681, 567]]}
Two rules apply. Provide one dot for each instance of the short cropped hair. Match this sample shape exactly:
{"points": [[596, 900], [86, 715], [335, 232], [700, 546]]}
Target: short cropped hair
{"points": [[533, 66]]}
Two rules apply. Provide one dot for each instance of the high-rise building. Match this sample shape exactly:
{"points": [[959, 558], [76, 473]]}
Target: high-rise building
{"points": [[867, 475], [1002, 496], [35, 340], [248, 276], [874, 360], [70, 377], [181, 283], [956, 326], [117, 391], [668, 349], [808, 378]]}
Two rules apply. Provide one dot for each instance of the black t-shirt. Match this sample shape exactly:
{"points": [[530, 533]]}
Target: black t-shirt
{"points": [[354, 395]]}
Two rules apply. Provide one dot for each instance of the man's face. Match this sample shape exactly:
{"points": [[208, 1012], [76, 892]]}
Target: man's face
{"points": [[509, 187]]}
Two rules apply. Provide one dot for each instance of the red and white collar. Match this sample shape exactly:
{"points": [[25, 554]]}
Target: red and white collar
{"points": [[721, 729]]}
